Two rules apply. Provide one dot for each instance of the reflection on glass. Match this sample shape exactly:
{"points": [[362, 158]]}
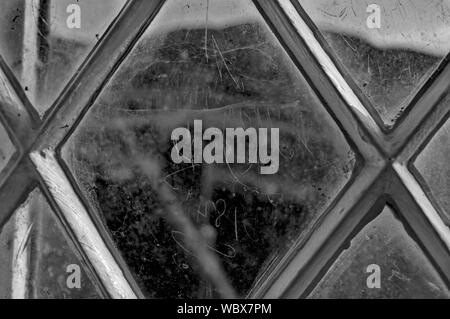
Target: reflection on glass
{"points": [[405, 271], [389, 63], [432, 164], [7, 148], [64, 43], [217, 62]]}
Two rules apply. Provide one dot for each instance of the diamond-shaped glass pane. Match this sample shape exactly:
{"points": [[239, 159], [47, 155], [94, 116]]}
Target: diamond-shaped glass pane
{"points": [[7, 148], [41, 261], [219, 63], [432, 164], [382, 261], [59, 34], [389, 48]]}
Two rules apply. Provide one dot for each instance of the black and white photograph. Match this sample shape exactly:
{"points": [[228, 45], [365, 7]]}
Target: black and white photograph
{"points": [[224, 154]]}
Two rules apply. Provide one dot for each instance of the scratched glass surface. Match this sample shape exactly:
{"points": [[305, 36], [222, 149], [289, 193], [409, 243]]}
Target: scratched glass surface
{"points": [[63, 44], [7, 149], [218, 62], [51, 254], [432, 164], [405, 271], [11, 31], [389, 64], [36, 257]]}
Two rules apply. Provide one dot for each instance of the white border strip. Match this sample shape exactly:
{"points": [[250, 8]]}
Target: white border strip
{"points": [[327, 64], [82, 226]]}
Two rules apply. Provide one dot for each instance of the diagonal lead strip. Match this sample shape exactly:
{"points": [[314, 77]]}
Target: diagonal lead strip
{"points": [[423, 202], [424, 102], [427, 227], [415, 122], [95, 72], [275, 283], [417, 116], [394, 186], [314, 259], [16, 188], [23, 218], [26, 126], [66, 114], [299, 270], [76, 98], [328, 66], [17, 111], [81, 224]]}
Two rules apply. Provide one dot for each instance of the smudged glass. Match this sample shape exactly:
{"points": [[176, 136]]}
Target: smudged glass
{"points": [[404, 270], [215, 61], [434, 171], [67, 32], [389, 64]]}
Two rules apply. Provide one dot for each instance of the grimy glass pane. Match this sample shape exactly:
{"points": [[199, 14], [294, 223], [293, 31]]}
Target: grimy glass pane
{"points": [[382, 261], [52, 268], [11, 33], [389, 48], [35, 256], [7, 148], [207, 67], [433, 165], [57, 270], [68, 31]]}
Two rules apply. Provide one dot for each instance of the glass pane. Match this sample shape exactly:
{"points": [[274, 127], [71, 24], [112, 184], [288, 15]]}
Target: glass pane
{"points": [[6, 260], [11, 30], [389, 48], [55, 264], [218, 65], [382, 247], [68, 31], [34, 250], [7, 148], [432, 164]]}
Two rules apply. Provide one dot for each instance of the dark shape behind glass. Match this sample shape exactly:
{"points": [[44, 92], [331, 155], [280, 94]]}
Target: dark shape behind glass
{"points": [[390, 63], [227, 69]]}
